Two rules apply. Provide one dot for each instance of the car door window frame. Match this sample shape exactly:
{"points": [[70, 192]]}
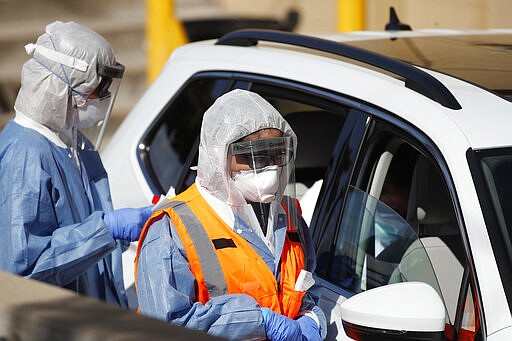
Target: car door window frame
{"points": [[148, 136]]}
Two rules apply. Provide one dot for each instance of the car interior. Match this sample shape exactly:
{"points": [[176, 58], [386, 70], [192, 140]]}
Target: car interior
{"points": [[398, 225], [311, 160], [437, 255]]}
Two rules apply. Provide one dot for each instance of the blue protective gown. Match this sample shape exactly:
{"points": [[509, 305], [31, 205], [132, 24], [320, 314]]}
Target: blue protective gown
{"points": [[51, 216], [166, 286]]}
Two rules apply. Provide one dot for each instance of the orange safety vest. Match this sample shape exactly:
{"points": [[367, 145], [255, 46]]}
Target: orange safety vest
{"points": [[213, 248]]}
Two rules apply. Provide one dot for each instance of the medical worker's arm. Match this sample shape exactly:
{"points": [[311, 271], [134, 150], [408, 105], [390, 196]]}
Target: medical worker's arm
{"points": [[127, 223], [34, 241], [280, 327], [165, 289], [72, 250], [310, 324]]}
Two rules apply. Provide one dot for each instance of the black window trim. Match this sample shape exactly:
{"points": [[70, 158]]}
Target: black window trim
{"points": [[234, 77], [467, 285], [431, 150], [325, 210]]}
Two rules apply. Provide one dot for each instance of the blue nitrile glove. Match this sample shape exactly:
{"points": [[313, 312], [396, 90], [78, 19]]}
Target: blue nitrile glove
{"points": [[127, 223], [279, 327], [309, 329]]}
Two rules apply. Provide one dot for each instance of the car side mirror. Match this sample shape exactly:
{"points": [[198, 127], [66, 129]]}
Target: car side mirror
{"points": [[400, 311]]}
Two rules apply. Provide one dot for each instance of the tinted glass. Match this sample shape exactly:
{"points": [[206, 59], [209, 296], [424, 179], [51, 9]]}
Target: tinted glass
{"points": [[310, 118], [317, 122], [498, 175], [171, 145], [492, 175], [376, 246]]}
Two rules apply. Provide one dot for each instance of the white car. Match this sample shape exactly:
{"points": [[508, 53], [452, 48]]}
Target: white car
{"points": [[404, 166]]}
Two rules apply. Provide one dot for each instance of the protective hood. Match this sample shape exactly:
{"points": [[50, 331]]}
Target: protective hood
{"points": [[233, 116], [64, 62]]}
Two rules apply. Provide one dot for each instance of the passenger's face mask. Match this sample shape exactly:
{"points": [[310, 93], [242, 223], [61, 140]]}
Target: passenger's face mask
{"points": [[389, 227], [258, 186], [92, 112]]}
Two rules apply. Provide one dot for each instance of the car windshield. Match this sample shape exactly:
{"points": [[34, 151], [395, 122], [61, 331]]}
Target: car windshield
{"points": [[483, 59], [492, 173], [496, 166]]}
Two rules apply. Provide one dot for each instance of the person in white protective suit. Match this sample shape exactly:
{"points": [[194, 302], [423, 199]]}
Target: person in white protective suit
{"points": [[231, 255], [56, 219]]}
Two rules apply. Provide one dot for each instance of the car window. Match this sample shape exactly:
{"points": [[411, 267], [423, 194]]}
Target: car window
{"points": [[325, 220], [371, 241], [317, 125], [397, 223], [167, 158]]}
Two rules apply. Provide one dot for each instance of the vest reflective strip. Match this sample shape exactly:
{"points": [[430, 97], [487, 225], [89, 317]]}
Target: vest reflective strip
{"points": [[210, 265]]}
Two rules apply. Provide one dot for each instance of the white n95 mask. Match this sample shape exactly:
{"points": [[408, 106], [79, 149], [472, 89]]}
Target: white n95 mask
{"points": [[258, 186], [92, 112]]}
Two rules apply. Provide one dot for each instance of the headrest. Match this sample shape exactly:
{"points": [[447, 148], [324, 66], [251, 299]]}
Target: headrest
{"points": [[317, 132]]}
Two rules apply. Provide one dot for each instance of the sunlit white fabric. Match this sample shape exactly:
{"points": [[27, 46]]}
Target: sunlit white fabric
{"points": [[232, 116], [45, 93]]}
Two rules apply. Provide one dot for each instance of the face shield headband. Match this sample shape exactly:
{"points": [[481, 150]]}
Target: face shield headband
{"points": [[63, 60]]}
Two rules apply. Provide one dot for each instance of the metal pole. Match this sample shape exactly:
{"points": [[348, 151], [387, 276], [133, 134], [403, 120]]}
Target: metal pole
{"points": [[164, 32], [351, 15]]}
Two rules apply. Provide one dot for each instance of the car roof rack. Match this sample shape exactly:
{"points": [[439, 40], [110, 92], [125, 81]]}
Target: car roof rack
{"points": [[415, 79]]}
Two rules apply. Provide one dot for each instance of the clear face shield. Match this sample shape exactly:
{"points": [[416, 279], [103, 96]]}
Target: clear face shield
{"points": [[94, 112], [262, 172]]}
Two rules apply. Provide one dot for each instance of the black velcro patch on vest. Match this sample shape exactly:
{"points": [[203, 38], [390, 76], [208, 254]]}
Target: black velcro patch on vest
{"points": [[223, 243], [293, 236]]}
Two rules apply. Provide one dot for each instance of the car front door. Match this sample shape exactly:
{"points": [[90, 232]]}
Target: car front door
{"points": [[385, 215]]}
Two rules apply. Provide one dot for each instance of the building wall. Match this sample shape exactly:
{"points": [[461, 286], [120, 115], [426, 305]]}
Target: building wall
{"points": [[455, 14], [321, 15], [122, 22]]}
